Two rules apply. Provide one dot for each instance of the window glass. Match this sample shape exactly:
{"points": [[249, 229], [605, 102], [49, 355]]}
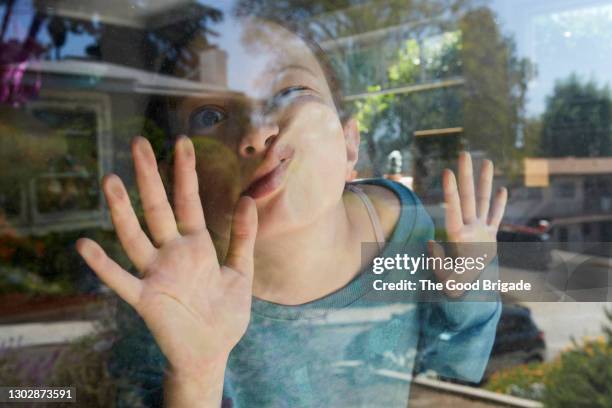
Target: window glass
{"points": [[346, 123]]}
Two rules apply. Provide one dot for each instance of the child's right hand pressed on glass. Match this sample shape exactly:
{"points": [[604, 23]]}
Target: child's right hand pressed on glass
{"points": [[471, 221], [196, 309]]}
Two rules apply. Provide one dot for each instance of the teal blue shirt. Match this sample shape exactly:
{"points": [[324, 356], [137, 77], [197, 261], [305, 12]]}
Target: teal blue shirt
{"points": [[335, 351]]}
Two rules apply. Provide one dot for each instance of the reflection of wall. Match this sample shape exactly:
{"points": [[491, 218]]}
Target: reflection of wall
{"points": [[434, 150], [64, 193], [575, 194], [213, 67], [103, 105]]}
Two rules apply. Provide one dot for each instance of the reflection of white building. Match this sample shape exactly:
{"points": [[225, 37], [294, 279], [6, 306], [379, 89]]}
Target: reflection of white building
{"points": [[92, 109], [90, 106], [575, 194]]}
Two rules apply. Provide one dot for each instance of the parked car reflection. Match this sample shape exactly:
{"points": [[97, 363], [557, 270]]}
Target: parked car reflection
{"points": [[532, 256]]}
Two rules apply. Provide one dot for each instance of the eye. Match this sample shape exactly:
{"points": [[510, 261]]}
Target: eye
{"points": [[292, 90], [206, 117], [286, 95]]}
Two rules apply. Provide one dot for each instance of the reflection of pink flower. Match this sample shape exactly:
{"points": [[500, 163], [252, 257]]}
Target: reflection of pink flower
{"points": [[15, 58]]}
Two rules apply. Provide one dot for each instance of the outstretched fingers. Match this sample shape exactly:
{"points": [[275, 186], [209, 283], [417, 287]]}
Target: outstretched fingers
{"points": [[187, 204], [485, 184], [498, 208], [242, 238], [135, 242], [157, 210], [114, 276], [466, 188], [453, 218]]}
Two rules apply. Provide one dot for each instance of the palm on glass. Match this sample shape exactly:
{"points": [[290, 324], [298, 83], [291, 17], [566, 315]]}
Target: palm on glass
{"points": [[196, 309], [470, 217]]}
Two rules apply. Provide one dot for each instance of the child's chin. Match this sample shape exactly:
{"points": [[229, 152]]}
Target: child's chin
{"points": [[273, 224], [270, 226]]}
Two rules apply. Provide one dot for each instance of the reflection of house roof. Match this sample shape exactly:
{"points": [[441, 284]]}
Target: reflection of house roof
{"points": [[569, 165], [117, 12], [143, 81]]}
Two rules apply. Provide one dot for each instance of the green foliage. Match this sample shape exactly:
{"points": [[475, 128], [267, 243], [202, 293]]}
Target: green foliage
{"points": [[578, 120], [367, 110], [525, 381], [26, 141], [49, 264], [406, 69], [16, 280], [580, 377], [388, 120], [127, 129]]}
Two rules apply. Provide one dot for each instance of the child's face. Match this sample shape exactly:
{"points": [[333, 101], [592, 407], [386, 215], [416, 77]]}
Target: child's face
{"points": [[278, 121]]}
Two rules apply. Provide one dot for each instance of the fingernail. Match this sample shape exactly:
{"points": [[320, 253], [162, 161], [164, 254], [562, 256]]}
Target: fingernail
{"points": [[142, 145], [83, 248], [186, 146], [115, 186]]}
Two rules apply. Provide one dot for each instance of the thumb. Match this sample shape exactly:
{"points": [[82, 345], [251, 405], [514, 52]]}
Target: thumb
{"points": [[436, 251], [242, 237]]}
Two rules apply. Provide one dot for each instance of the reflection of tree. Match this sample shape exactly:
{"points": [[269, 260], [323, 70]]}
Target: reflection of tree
{"points": [[59, 28], [421, 45], [490, 107], [333, 19], [389, 121], [495, 88], [532, 131], [167, 44], [160, 46], [436, 41], [577, 121]]}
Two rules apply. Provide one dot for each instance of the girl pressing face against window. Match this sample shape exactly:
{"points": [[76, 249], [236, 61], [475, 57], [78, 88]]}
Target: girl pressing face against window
{"points": [[221, 269], [276, 135]]}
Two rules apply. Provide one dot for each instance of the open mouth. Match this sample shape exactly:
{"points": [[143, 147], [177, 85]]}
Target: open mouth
{"points": [[269, 182]]}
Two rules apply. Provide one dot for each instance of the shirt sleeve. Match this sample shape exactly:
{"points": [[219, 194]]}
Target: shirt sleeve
{"points": [[455, 336], [136, 363]]}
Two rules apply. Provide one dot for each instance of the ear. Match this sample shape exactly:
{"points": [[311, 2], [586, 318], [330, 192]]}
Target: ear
{"points": [[352, 139]]}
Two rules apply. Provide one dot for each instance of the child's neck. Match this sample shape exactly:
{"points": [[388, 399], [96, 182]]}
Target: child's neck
{"points": [[314, 261]]}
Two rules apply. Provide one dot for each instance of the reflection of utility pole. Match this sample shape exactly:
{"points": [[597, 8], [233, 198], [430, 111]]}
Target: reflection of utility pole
{"points": [[394, 169], [422, 73], [394, 163], [213, 67]]}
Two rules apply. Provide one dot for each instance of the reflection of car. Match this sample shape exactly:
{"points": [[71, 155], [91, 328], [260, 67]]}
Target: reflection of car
{"points": [[517, 341], [523, 247]]}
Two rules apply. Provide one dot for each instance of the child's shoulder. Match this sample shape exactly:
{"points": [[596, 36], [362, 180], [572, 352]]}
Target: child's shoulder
{"points": [[391, 199], [386, 203]]}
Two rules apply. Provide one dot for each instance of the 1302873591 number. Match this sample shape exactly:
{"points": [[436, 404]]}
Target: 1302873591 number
{"points": [[16, 394]]}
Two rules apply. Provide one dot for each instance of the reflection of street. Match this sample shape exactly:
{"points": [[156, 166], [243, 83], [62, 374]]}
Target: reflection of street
{"points": [[38, 334], [539, 291], [562, 321]]}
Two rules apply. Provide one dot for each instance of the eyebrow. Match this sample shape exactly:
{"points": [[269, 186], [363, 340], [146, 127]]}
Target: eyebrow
{"points": [[296, 66]]}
